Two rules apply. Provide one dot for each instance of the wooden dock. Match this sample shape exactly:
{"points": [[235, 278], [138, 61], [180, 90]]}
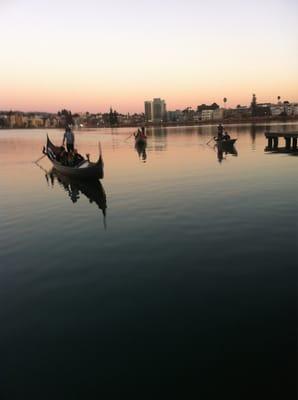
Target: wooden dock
{"points": [[290, 139]]}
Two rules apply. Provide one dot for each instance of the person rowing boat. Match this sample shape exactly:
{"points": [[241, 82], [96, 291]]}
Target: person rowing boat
{"points": [[220, 130], [140, 136], [222, 138], [221, 134], [72, 163], [69, 139], [140, 133]]}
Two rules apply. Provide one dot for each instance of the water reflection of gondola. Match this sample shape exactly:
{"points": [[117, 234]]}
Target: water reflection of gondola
{"points": [[92, 189], [141, 150], [221, 151]]}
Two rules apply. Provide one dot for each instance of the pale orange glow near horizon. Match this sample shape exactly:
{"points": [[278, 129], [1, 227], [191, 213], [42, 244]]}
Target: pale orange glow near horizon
{"points": [[89, 63]]}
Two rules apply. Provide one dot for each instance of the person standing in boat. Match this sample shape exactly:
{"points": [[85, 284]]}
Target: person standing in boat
{"points": [[144, 136], [137, 133], [69, 139], [220, 131], [226, 136]]}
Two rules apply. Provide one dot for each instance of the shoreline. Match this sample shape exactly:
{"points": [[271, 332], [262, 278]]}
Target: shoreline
{"points": [[228, 121]]}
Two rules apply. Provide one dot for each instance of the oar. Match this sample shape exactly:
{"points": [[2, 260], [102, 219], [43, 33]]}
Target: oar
{"points": [[100, 151], [129, 136], [210, 140], [40, 158], [42, 168]]}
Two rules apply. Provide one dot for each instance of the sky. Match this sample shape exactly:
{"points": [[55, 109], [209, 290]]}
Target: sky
{"points": [[90, 55]]}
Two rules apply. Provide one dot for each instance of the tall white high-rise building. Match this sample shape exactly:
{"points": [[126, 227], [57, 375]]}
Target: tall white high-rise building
{"points": [[155, 111], [148, 111]]}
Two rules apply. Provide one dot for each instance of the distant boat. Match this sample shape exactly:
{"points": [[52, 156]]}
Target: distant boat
{"points": [[84, 170], [140, 140], [226, 143]]}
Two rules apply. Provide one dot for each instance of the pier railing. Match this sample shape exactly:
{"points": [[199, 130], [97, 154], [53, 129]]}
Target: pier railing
{"points": [[290, 139]]}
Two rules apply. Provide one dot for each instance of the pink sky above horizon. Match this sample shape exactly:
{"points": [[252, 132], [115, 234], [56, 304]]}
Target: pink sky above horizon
{"points": [[87, 56]]}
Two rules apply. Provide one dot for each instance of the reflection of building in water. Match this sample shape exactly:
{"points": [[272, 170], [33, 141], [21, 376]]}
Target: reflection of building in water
{"points": [[92, 189], [253, 131], [158, 140]]}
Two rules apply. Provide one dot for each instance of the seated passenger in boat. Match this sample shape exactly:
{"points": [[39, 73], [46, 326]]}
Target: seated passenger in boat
{"points": [[226, 136], [72, 159], [68, 159], [62, 156], [59, 153], [77, 158]]}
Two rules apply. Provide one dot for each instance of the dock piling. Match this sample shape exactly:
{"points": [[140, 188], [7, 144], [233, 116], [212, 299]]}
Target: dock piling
{"points": [[290, 141]]}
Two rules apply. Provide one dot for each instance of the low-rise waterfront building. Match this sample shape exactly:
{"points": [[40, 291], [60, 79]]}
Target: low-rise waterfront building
{"points": [[276, 109], [206, 115], [218, 114]]}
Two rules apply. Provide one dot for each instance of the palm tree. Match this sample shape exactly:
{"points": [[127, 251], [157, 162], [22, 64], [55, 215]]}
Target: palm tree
{"points": [[278, 98], [225, 100]]}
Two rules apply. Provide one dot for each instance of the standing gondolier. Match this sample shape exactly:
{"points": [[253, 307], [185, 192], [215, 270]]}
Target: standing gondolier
{"points": [[220, 131], [69, 138]]}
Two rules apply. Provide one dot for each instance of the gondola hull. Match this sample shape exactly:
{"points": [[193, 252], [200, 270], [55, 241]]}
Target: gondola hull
{"points": [[92, 171], [226, 143], [86, 170], [140, 141]]}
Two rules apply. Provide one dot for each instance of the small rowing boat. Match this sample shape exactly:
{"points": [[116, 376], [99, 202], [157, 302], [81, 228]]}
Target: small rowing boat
{"points": [[140, 140], [85, 169], [225, 142]]}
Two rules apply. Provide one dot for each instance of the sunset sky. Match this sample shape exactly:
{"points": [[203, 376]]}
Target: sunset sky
{"points": [[90, 55]]}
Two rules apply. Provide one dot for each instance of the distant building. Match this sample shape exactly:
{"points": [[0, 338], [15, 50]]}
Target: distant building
{"points": [[54, 122], [159, 110], [12, 121], [207, 115], [218, 114], [290, 108], [148, 111], [261, 109], [276, 109], [205, 112], [295, 108], [175, 116], [155, 111], [239, 112]]}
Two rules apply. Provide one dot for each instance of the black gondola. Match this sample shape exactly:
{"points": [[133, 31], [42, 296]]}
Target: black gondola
{"points": [[84, 170]]}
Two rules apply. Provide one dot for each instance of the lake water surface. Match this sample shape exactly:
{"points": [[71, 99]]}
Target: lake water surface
{"points": [[178, 272]]}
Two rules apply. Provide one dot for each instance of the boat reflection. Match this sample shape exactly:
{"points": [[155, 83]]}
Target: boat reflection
{"points": [[222, 152], [141, 150], [92, 189]]}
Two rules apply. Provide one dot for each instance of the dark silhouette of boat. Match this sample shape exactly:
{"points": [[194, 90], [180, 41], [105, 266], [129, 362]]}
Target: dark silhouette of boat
{"points": [[225, 143], [140, 140], [84, 170]]}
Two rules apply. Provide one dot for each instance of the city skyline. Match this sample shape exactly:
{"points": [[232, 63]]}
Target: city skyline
{"points": [[85, 56]]}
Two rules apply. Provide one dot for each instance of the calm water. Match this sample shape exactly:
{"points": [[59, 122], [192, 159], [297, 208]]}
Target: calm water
{"points": [[188, 281]]}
